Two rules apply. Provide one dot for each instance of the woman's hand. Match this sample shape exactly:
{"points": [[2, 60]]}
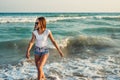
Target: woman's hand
{"points": [[27, 55]]}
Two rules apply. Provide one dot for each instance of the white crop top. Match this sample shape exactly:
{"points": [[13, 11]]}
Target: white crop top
{"points": [[41, 39]]}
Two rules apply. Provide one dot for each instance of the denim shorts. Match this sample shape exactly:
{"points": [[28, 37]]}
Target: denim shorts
{"points": [[41, 51]]}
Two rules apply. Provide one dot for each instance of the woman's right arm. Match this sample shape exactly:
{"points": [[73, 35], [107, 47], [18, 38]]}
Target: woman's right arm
{"points": [[31, 43]]}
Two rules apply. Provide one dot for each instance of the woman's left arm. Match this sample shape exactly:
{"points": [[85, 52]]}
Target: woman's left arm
{"points": [[55, 44]]}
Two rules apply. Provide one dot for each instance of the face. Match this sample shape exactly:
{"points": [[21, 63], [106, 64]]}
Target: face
{"points": [[37, 24]]}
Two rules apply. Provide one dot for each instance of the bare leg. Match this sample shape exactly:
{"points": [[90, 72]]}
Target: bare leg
{"points": [[40, 62], [37, 58]]}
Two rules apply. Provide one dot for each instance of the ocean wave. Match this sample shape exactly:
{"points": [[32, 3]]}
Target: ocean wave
{"points": [[81, 43], [13, 44], [16, 19], [71, 45], [27, 19], [53, 19], [22, 44], [75, 42], [16, 49], [113, 18]]}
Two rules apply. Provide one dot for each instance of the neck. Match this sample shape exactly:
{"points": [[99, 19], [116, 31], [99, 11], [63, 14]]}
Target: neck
{"points": [[41, 30]]}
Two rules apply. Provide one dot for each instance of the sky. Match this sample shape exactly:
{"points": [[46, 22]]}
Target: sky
{"points": [[59, 5]]}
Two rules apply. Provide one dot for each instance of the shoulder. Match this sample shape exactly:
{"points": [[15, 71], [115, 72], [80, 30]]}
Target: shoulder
{"points": [[48, 31], [34, 32]]}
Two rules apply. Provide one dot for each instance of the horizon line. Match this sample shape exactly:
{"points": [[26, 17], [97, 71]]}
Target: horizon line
{"points": [[63, 12]]}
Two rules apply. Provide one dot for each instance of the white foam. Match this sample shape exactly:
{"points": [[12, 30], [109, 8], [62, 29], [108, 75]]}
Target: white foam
{"points": [[9, 19], [23, 70], [100, 17], [66, 69], [17, 19], [32, 19], [53, 19], [61, 43]]}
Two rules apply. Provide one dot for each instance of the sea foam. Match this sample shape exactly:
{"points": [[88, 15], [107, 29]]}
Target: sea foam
{"points": [[66, 69], [10, 19]]}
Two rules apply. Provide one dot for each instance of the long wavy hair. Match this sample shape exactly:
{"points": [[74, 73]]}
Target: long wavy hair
{"points": [[42, 22]]}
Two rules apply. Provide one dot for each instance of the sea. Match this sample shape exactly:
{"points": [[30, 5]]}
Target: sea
{"points": [[90, 43]]}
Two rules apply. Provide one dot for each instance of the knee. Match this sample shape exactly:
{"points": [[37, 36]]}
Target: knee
{"points": [[40, 68], [37, 63]]}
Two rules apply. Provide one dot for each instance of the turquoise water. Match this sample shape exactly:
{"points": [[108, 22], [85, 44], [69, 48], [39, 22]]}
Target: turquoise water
{"points": [[16, 26], [81, 35]]}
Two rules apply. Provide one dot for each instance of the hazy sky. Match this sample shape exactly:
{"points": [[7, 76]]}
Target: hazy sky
{"points": [[59, 5]]}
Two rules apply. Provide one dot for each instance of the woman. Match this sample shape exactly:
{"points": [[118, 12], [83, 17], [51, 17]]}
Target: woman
{"points": [[41, 52]]}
